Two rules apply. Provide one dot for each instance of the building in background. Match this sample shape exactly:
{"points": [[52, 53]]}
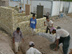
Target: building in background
{"points": [[4, 2]]}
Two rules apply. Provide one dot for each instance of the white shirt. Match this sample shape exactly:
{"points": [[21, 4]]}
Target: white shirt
{"points": [[20, 10], [33, 51], [61, 33], [49, 24]]}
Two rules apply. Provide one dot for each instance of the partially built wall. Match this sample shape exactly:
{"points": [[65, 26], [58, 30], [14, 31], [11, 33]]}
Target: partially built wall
{"points": [[10, 19]]}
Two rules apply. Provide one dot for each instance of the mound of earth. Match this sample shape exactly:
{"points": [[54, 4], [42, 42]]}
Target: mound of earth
{"points": [[5, 44], [41, 43]]}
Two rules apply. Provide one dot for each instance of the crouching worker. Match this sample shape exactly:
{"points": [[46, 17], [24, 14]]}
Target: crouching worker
{"points": [[32, 50], [33, 23], [17, 37], [62, 36], [49, 24]]}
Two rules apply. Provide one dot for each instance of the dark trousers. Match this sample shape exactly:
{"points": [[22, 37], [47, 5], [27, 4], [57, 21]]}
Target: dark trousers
{"points": [[65, 41], [47, 30]]}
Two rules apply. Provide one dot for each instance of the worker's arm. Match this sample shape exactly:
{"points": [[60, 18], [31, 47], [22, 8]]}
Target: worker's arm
{"points": [[37, 52], [52, 25], [57, 43], [29, 23], [44, 24], [36, 26], [22, 37], [22, 11], [36, 23], [13, 38]]}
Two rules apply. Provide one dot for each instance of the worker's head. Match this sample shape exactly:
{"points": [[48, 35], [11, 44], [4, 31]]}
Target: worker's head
{"points": [[31, 44], [20, 7], [58, 27], [54, 31], [33, 16], [47, 18], [18, 29]]}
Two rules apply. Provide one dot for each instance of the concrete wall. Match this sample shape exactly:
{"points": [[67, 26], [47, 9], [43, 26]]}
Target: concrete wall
{"points": [[13, 3], [6, 21], [4, 3], [55, 8], [61, 6], [70, 8], [46, 4], [66, 7]]}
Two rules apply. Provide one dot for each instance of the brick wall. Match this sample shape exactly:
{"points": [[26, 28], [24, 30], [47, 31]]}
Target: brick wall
{"points": [[6, 21], [27, 30], [10, 19]]}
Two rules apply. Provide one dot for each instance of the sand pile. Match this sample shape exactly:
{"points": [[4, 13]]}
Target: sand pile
{"points": [[5, 44], [41, 44]]}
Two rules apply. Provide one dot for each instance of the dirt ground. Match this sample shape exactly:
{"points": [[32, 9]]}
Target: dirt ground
{"points": [[5, 44], [42, 44], [66, 23]]}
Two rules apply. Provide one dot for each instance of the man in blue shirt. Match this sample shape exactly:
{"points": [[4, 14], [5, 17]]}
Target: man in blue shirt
{"points": [[33, 23]]}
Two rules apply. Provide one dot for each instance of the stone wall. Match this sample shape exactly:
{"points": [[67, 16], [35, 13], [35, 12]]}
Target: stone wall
{"points": [[6, 21], [10, 19], [16, 8], [27, 30], [21, 18]]}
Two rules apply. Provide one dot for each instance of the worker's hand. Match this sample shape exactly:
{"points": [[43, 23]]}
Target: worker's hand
{"points": [[23, 40], [29, 26], [55, 49], [44, 24], [13, 41], [35, 27]]}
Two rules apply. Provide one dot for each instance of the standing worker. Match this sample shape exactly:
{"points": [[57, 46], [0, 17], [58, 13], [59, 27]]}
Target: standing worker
{"points": [[49, 24], [17, 36], [62, 36], [32, 50], [33, 23]]}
